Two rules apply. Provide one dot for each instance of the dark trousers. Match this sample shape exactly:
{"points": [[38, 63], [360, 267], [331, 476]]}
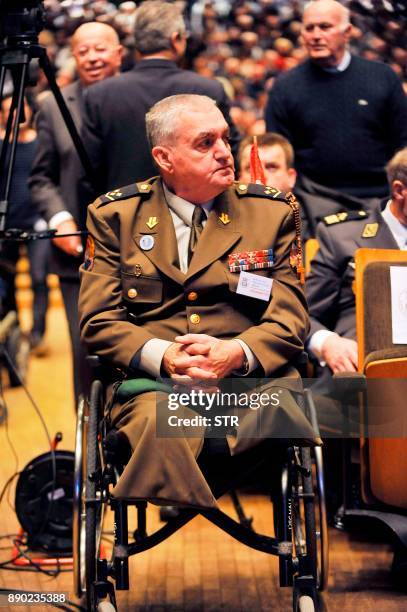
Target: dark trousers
{"points": [[81, 369], [38, 255]]}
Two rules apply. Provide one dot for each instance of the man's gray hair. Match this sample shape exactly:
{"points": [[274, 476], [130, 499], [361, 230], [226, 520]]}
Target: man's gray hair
{"points": [[164, 118], [396, 169], [344, 11], [155, 22]]}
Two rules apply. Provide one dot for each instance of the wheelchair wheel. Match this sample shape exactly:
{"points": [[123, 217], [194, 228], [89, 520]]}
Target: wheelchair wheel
{"points": [[93, 501], [304, 535], [319, 499], [78, 513], [304, 524], [321, 520]]}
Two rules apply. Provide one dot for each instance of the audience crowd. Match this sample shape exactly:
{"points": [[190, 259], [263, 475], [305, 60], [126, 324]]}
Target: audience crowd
{"points": [[245, 44]]}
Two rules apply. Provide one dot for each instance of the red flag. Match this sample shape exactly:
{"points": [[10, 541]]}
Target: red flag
{"points": [[256, 168]]}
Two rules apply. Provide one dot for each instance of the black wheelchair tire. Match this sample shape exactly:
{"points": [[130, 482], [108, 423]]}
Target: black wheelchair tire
{"points": [[304, 532], [309, 514], [78, 502], [322, 521], [94, 506]]}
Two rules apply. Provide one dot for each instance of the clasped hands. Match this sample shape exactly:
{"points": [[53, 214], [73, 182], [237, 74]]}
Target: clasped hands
{"points": [[201, 357]]}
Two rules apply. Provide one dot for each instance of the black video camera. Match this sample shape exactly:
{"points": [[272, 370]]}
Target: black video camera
{"points": [[21, 19]]}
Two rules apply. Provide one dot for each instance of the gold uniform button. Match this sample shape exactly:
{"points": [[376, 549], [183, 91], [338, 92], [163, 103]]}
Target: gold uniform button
{"points": [[192, 296], [195, 319], [242, 187], [132, 293]]}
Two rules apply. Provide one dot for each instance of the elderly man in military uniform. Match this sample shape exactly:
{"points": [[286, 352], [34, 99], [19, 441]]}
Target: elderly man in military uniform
{"points": [[161, 290], [330, 296]]}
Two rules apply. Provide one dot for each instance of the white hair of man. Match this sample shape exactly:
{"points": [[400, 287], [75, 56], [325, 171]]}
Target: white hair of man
{"points": [[342, 10], [164, 119]]}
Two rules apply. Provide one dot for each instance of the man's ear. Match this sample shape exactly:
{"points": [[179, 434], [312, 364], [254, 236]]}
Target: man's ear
{"points": [[178, 45], [397, 188], [163, 159], [292, 174], [347, 32]]}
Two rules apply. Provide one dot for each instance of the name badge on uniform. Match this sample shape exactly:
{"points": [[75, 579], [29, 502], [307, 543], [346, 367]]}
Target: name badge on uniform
{"points": [[251, 260], [254, 286]]}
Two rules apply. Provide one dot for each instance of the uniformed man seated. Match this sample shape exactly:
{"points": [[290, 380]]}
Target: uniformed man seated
{"points": [[331, 299], [192, 277]]}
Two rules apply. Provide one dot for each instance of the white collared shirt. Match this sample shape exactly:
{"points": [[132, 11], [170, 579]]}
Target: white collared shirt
{"points": [[181, 212], [398, 230], [343, 64]]}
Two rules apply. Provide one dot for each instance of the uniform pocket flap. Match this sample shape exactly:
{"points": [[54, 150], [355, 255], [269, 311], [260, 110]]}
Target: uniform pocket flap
{"points": [[141, 289]]}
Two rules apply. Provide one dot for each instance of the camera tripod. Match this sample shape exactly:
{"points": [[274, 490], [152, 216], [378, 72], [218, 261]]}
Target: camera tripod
{"points": [[15, 56]]}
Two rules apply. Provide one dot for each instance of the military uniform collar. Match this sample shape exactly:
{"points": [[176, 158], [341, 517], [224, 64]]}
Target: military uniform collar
{"points": [[182, 208], [398, 230]]}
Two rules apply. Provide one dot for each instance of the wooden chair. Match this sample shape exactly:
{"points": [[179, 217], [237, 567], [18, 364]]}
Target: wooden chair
{"points": [[383, 460], [375, 484]]}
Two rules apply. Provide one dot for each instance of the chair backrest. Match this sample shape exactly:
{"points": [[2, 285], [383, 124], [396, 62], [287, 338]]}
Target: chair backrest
{"points": [[383, 460], [373, 300]]}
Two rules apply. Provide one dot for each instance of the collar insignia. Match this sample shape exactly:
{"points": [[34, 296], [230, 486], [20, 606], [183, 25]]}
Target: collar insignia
{"points": [[370, 230], [152, 222]]}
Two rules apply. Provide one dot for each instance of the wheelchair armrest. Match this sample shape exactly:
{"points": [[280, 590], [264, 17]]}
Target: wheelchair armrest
{"points": [[301, 364], [103, 370], [94, 361], [348, 384]]}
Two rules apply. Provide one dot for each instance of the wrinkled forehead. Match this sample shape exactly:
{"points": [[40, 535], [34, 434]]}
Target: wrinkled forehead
{"points": [[194, 122], [93, 36], [316, 14]]}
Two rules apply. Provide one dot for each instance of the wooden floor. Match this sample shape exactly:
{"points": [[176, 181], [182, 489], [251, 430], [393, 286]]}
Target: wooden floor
{"points": [[199, 568]]}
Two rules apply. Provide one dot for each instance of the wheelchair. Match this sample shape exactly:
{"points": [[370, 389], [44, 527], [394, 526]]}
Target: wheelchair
{"points": [[300, 525]]}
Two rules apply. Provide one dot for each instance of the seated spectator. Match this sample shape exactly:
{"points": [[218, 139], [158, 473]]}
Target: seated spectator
{"points": [[332, 338], [159, 290], [331, 301], [277, 158]]}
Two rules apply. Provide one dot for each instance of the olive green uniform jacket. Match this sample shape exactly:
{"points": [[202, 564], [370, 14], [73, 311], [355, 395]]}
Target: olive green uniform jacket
{"points": [[130, 294]]}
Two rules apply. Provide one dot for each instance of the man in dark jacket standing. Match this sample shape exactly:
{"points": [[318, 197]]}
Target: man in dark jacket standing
{"points": [[114, 127], [344, 116]]}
